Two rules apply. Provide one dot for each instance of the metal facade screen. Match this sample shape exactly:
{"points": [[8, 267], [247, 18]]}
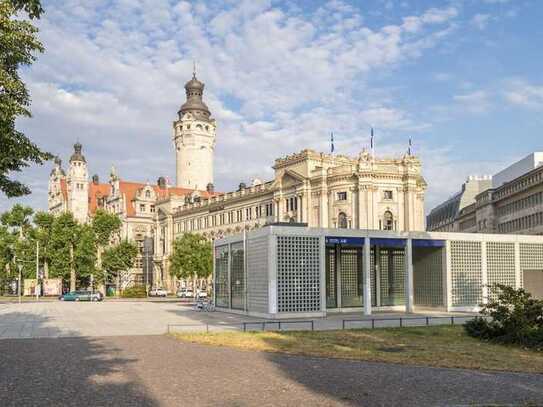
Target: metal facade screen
{"points": [[298, 274]]}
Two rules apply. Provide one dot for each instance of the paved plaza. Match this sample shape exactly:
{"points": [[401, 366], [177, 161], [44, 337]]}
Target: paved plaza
{"points": [[160, 371], [108, 318], [120, 318], [114, 354]]}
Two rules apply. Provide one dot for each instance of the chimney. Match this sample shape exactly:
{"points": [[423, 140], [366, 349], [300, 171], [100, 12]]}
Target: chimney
{"points": [[210, 188], [95, 179]]}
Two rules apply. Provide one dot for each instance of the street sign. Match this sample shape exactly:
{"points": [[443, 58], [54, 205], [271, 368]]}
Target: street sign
{"points": [[350, 241]]}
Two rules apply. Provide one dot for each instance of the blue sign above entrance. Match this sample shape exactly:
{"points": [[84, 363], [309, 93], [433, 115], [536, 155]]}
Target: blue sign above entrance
{"points": [[351, 241]]}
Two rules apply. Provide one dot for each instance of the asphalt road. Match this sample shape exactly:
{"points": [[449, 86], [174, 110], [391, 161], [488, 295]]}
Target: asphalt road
{"points": [[160, 371]]}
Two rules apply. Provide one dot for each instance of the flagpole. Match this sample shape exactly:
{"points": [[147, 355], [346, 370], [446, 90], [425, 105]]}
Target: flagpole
{"points": [[372, 142]]}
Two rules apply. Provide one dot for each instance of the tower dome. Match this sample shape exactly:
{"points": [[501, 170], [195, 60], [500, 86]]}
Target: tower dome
{"points": [[77, 155], [194, 90]]}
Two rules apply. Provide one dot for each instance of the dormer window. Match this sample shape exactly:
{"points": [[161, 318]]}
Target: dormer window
{"points": [[147, 194]]}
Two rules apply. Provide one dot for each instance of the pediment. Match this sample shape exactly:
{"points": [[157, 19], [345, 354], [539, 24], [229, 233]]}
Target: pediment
{"points": [[290, 178]]}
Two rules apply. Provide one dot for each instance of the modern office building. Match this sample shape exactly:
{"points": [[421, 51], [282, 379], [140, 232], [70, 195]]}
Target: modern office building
{"points": [[289, 271], [513, 203]]}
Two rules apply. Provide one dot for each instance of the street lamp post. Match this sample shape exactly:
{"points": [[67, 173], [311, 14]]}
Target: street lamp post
{"points": [[37, 269], [20, 267]]}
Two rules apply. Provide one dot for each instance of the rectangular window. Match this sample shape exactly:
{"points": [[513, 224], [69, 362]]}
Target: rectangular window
{"points": [[152, 208], [142, 207], [387, 195], [342, 196]]}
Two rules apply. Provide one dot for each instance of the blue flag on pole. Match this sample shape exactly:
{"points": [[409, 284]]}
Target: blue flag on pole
{"points": [[371, 139], [331, 142]]}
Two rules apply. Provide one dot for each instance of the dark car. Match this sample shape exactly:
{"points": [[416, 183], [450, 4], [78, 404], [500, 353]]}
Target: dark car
{"points": [[81, 296]]}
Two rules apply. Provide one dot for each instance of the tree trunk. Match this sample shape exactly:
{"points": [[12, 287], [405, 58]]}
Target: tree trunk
{"points": [[101, 288], [46, 268], [72, 268]]}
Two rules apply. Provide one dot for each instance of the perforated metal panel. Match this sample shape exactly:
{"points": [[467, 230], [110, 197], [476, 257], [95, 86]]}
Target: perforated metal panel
{"points": [[222, 292], [500, 265], [466, 273], [237, 279], [298, 274], [428, 276], [351, 277], [392, 277], [531, 258], [331, 287]]}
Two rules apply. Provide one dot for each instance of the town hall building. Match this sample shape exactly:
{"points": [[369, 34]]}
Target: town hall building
{"points": [[309, 188]]}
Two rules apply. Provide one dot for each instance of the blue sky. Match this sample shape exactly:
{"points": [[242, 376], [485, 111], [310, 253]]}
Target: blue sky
{"points": [[462, 78]]}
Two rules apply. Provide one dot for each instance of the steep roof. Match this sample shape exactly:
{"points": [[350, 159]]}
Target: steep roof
{"points": [[96, 192], [129, 190]]}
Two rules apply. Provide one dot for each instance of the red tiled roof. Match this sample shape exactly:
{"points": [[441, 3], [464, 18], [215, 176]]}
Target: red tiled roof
{"points": [[96, 192], [130, 189]]}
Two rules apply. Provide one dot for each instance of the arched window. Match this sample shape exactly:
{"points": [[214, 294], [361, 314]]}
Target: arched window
{"points": [[147, 194], [388, 221], [342, 220]]}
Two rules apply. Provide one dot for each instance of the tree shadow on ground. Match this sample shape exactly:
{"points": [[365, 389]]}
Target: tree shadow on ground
{"points": [[353, 382], [66, 371]]}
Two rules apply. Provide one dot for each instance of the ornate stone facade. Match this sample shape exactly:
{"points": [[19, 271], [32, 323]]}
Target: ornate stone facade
{"points": [[320, 190]]}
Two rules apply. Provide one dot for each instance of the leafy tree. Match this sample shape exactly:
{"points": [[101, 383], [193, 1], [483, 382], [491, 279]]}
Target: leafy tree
{"points": [[18, 46], [7, 241], [18, 219], [192, 257], [44, 226], [85, 255], [64, 234], [20, 246], [118, 259], [105, 226]]}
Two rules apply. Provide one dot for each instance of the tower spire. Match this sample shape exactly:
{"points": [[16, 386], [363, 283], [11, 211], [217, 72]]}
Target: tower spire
{"points": [[193, 69]]}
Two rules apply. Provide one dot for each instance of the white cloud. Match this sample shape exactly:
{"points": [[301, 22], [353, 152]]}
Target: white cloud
{"points": [[474, 102], [276, 80], [522, 93], [480, 21]]}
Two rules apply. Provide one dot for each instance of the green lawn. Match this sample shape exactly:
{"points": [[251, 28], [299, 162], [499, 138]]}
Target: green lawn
{"points": [[444, 346]]}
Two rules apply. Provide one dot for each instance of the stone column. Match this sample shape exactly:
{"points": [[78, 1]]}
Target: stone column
{"points": [[299, 209]]}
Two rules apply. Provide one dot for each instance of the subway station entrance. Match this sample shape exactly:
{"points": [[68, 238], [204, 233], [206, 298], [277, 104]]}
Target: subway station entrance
{"points": [[345, 272]]}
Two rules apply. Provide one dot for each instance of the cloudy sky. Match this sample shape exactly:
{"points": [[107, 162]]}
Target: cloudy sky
{"points": [[463, 78]]}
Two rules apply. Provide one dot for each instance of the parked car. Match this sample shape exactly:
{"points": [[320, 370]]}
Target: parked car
{"points": [[185, 293], [81, 295], [158, 292], [201, 294]]}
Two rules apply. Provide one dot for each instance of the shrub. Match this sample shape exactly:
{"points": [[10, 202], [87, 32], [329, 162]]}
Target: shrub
{"points": [[134, 292], [516, 317]]}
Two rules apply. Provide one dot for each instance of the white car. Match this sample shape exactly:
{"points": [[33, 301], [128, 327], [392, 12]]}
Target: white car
{"points": [[201, 294], [185, 293], [158, 292]]}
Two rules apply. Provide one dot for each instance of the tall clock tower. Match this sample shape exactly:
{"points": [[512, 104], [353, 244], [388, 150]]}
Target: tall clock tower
{"points": [[194, 140]]}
